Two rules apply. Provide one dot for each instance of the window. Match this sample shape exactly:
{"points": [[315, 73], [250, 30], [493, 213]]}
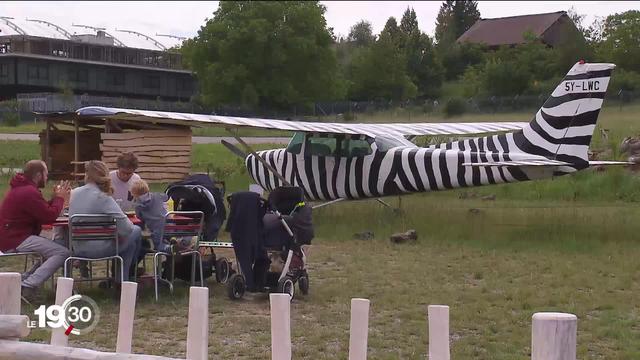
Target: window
{"points": [[295, 144], [37, 72], [321, 146], [78, 75], [184, 84], [354, 147], [151, 82], [4, 70], [115, 78]]}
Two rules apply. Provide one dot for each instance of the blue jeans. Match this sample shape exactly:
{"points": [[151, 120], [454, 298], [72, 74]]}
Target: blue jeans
{"points": [[127, 249]]}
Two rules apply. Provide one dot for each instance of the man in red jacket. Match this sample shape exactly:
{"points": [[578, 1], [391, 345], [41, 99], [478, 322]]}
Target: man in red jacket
{"points": [[23, 212]]}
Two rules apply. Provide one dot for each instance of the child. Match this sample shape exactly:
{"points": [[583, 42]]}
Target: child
{"points": [[150, 208]]}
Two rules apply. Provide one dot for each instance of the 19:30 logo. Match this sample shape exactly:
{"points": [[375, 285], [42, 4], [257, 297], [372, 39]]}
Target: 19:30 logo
{"points": [[78, 315]]}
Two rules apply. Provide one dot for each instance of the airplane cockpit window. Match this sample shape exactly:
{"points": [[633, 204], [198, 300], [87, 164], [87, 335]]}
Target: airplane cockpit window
{"points": [[354, 147], [384, 143], [320, 146], [295, 144]]}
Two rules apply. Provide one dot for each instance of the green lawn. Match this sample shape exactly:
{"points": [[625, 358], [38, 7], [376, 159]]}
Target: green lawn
{"points": [[567, 244]]}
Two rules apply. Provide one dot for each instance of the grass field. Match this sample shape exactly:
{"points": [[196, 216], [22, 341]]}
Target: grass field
{"points": [[567, 244]]}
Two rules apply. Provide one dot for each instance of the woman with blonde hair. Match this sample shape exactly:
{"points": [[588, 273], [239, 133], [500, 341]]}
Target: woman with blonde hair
{"points": [[95, 198]]}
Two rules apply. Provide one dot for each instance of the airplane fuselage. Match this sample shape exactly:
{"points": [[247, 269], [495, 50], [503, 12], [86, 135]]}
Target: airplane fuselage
{"points": [[399, 170]]}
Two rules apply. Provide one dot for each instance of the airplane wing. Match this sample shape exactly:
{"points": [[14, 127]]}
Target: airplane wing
{"points": [[394, 130]]}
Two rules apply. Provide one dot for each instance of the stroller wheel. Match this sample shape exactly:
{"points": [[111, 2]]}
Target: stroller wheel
{"points": [[303, 283], [236, 287], [223, 270], [287, 286]]}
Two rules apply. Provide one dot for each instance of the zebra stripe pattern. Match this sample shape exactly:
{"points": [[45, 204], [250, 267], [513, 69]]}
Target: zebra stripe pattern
{"points": [[555, 141]]}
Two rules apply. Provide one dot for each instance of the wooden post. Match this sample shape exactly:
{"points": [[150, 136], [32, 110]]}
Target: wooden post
{"points": [[553, 336], [280, 326], [198, 328], [47, 144], [10, 290], [125, 319], [359, 329], [64, 290], [438, 332]]}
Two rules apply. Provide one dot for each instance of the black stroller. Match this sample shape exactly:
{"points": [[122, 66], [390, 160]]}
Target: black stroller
{"points": [[199, 192], [271, 257]]}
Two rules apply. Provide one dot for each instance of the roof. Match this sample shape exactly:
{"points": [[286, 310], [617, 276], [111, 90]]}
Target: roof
{"points": [[39, 28], [509, 30]]}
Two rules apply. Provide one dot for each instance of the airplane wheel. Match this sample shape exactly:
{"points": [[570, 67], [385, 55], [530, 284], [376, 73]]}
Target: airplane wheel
{"points": [[303, 283], [287, 286], [223, 270], [236, 287]]}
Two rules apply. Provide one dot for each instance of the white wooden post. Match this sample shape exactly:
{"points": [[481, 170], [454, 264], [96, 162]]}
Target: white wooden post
{"points": [[125, 319], [10, 292], [280, 326], [64, 290], [438, 332], [198, 328], [359, 329], [553, 336]]}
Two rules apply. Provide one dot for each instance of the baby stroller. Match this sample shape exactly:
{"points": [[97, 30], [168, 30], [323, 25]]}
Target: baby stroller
{"points": [[276, 261], [199, 192]]}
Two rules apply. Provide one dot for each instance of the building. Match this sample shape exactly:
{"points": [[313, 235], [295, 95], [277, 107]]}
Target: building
{"points": [[40, 57], [552, 29]]}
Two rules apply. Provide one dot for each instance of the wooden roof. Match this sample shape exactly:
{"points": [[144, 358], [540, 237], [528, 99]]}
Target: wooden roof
{"points": [[509, 30]]}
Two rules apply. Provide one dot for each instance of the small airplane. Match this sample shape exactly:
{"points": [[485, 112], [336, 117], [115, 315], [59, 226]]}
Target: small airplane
{"points": [[339, 161]]}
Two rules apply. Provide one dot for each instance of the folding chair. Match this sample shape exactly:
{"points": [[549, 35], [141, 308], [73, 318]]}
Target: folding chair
{"points": [[100, 229], [180, 224]]}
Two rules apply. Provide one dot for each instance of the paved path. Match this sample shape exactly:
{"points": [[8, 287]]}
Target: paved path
{"points": [[196, 139]]}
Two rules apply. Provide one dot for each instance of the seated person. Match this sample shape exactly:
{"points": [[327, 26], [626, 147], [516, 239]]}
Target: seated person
{"points": [[123, 178], [95, 198], [22, 214], [150, 209]]}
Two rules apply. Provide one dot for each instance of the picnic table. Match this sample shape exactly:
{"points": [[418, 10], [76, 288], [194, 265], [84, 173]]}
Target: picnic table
{"points": [[64, 220]]}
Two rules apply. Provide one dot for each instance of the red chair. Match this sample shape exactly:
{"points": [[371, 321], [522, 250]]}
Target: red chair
{"points": [[179, 225], [100, 230]]}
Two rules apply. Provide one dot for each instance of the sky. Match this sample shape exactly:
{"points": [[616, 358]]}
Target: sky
{"points": [[185, 18]]}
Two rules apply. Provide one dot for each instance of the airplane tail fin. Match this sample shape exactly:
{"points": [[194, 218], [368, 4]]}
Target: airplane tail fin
{"points": [[562, 129]]}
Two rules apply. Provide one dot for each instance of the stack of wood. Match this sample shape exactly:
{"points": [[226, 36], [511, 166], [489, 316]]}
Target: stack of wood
{"points": [[163, 155]]}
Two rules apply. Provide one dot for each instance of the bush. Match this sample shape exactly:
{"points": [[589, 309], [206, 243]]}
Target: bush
{"points": [[10, 112], [11, 118], [455, 106]]}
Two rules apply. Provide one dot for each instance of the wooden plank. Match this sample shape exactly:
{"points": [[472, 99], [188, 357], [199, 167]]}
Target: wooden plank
{"points": [[145, 134], [115, 154], [15, 350], [144, 159], [120, 149], [14, 326], [164, 170], [149, 141]]}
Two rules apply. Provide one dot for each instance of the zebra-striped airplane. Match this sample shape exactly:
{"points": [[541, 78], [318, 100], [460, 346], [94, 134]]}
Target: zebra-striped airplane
{"points": [[333, 161]]}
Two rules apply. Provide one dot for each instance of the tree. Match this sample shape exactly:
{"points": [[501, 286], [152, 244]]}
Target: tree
{"points": [[423, 66], [361, 33], [391, 33], [379, 72], [621, 40], [454, 18], [409, 22], [264, 54]]}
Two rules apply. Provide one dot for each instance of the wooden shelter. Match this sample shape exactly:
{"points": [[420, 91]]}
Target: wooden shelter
{"points": [[68, 140]]}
